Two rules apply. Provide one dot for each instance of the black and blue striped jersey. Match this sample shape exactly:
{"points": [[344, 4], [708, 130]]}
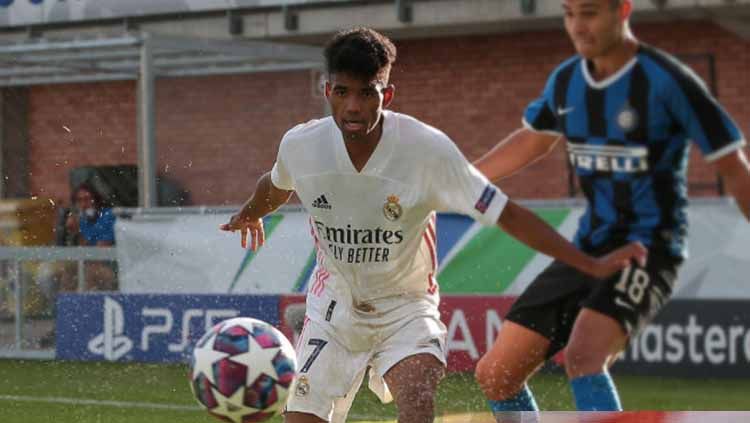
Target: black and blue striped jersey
{"points": [[628, 141]]}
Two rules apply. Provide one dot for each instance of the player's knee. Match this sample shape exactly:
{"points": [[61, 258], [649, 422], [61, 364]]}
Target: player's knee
{"points": [[495, 380], [416, 400], [483, 373]]}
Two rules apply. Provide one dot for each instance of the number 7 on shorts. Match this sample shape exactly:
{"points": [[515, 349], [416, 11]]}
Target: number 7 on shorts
{"points": [[319, 344]]}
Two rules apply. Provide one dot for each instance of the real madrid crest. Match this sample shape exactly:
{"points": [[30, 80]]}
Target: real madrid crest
{"points": [[392, 209], [627, 119], [303, 386]]}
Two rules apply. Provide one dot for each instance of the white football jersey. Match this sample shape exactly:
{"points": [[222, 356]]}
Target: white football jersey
{"points": [[375, 229]]}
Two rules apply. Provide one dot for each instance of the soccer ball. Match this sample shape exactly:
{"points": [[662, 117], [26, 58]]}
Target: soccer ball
{"points": [[242, 369]]}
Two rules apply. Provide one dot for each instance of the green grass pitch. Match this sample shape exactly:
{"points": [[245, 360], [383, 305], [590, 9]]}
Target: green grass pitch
{"points": [[65, 392]]}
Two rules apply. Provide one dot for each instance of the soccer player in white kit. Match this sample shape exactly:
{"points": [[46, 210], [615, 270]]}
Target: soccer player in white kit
{"points": [[372, 181]]}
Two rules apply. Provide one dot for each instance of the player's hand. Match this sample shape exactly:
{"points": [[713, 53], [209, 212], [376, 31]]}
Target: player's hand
{"points": [[246, 226], [619, 259]]}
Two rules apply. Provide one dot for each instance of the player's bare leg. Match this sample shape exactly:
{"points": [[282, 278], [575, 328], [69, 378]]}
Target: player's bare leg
{"points": [[413, 382], [294, 417], [594, 343], [516, 354]]}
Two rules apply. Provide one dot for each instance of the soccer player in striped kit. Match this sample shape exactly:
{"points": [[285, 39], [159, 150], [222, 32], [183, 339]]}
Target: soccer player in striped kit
{"points": [[627, 111]]}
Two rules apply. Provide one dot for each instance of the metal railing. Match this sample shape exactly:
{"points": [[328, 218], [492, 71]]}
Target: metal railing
{"points": [[12, 260]]}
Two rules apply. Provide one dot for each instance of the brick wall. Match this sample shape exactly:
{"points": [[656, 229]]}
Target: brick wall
{"points": [[475, 89], [78, 125], [216, 135]]}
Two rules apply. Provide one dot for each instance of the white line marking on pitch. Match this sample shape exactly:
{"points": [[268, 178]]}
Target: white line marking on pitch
{"points": [[126, 404], [106, 403]]}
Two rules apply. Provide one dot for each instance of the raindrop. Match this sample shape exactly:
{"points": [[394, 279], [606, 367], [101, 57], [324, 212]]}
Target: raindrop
{"points": [[66, 129]]}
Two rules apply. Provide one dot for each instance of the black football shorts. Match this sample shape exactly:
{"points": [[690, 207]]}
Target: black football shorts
{"points": [[632, 296]]}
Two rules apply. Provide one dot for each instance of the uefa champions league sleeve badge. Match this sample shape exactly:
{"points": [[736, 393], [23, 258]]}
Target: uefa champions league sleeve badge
{"points": [[392, 209]]}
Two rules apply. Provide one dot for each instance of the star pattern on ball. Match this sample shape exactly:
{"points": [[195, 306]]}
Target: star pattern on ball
{"points": [[205, 357], [258, 360], [232, 407]]}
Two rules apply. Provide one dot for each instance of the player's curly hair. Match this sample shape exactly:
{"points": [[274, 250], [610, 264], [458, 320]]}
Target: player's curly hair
{"points": [[360, 52]]}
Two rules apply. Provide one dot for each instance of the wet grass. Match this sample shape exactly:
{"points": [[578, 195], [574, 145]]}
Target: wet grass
{"points": [[168, 384]]}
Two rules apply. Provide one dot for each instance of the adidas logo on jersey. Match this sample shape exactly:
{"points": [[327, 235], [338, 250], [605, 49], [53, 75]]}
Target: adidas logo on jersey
{"points": [[321, 203]]}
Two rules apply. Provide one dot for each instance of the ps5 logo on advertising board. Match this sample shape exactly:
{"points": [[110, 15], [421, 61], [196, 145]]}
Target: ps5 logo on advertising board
{"points": [[156, 326], [112, 342]]}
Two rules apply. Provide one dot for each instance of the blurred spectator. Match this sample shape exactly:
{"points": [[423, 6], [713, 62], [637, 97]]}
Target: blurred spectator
{"points": [[89, 223], [90, 219]]}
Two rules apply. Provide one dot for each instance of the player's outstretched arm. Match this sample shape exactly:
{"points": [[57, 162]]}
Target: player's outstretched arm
{"points": [[249, 219], [735, 171], [518, 150], [526, 227]]}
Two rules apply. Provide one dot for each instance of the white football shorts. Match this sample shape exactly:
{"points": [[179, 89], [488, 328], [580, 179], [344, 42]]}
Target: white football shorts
{"points": [[329, 374]]}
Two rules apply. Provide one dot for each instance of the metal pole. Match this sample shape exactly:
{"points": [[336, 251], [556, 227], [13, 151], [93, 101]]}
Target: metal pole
{"points": [[322, 79], [81, 275], [3, 141], [146, 127], [18, 296]]}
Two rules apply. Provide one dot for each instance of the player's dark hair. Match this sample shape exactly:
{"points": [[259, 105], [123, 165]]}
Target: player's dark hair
{"points": [[360, 52]]}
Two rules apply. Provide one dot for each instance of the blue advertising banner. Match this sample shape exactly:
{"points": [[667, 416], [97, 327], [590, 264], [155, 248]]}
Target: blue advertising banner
{"points": [[147, 328]]}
